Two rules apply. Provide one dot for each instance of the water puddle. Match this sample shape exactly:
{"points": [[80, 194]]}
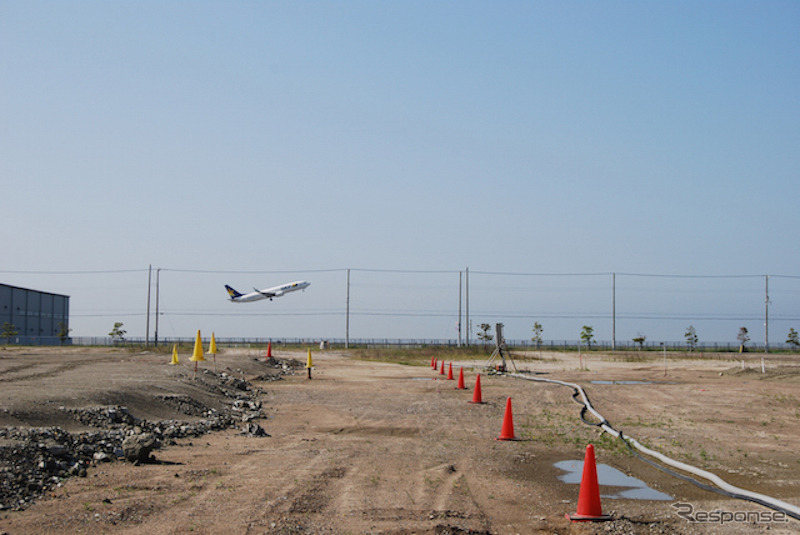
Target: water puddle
{"points": [[629, 487]]}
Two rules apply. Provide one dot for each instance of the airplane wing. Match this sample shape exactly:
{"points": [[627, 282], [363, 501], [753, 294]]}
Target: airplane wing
{"points": [[267, 293]]}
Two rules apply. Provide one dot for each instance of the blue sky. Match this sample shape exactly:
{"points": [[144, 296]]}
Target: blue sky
{"points": [[297, 139]]}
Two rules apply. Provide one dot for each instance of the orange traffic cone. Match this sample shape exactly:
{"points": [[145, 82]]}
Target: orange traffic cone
{"points": [[589, 508], [450, 372], [441, 370], [476, 397], [269, 350], [433, 362], [461, 380], [507, 431]]}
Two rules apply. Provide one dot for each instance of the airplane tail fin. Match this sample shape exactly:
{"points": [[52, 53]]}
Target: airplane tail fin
{"points": [[233, 293]]}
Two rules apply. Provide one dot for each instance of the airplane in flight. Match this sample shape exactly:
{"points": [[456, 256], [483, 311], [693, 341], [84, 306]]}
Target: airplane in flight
{"points": [[269, 293]]}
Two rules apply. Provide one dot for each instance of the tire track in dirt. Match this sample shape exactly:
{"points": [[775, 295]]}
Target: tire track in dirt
{"points": [[439, 484], [402, 471], [335, 474], [300, 476], [14, 369], [51, 372], [316, 496], [453, 499], [298, 500]]}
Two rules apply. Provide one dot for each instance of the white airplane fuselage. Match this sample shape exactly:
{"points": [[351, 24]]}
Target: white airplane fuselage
{"points": [[269, 293]]}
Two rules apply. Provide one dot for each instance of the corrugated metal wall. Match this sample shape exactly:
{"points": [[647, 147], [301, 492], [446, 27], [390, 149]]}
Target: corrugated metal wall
{"points": [[34, 314]]}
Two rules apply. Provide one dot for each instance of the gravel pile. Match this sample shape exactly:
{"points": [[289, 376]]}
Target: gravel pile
{"points": [[35, 460]]}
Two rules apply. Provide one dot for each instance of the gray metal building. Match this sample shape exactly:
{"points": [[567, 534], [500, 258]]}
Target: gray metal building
{"points": [[38, 317]]}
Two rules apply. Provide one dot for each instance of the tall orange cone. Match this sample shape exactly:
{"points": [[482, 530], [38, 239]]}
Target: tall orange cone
{"points": [[433, 362], [476, 397], [460, 385], [589, 509], [441, 370], [450, 372], [507, 431], [269, 350]]}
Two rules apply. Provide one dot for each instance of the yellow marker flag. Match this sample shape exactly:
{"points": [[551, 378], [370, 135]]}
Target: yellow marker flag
{"points": [[197, 355], [212, 349]]}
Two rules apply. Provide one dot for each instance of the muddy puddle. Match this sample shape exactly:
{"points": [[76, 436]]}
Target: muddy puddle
{"points": [[613, 483]]}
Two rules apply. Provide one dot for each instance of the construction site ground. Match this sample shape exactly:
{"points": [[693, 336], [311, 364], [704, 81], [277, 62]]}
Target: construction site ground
{"points": [[368, 446]]}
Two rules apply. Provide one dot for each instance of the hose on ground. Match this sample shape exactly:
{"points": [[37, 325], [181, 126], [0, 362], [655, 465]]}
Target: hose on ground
{"points": [[722, 487]]}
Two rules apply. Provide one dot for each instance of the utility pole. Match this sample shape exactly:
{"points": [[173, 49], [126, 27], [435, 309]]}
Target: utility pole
{"points": [[147, 322], [467, 314], [766, 313], [158, 277], [347, 314], [613, 311], [459, 309]]}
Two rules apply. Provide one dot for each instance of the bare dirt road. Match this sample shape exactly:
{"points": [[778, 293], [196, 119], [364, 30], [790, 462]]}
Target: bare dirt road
{"points": [[373, 447]]}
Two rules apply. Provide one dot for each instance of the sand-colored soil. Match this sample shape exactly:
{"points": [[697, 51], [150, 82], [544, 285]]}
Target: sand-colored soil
{"points": [[372, 447]]}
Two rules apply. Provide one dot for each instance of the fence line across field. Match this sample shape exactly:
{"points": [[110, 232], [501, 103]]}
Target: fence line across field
{"points": [[334, 343], [356, 304], [481, 293]]}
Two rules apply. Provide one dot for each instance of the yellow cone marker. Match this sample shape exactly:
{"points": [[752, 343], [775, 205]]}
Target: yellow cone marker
{"points": [[309, 364], [174, 354], [197, 355], [212, 350]]}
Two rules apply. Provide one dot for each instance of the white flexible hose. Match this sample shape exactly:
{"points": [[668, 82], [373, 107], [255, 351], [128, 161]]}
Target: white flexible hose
{"points": [[715, 479]]}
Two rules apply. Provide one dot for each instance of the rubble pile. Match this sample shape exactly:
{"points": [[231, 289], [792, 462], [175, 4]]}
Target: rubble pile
{"points": [[34, 460], [280, 368]]}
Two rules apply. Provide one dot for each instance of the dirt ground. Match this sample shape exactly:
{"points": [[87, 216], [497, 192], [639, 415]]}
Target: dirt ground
{"points": [[374, 447]]}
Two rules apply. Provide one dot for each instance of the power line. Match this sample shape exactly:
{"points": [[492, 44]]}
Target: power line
{"points": [[419, 271], [449, 272], [107, 315], [251, 272], [513, 274], [95, 272], [251, 314], [329, 270], [439, 314], [668, 276], [628, 274]]}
